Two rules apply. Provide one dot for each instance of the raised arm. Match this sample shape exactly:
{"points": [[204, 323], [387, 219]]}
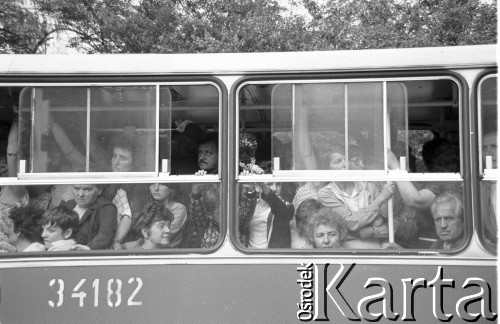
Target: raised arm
{"points": [[302, 139], [412, 197]]}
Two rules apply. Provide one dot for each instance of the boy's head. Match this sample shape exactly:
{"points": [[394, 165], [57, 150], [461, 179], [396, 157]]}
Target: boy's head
{"points": [[59, 223]]}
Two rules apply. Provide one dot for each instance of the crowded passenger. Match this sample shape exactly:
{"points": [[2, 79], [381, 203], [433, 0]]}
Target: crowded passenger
{"points": [[129, 199], [264, 217], [326, 229], [97, 217], [212, 202], [10, 196], [489, 196], [198, 220], [439, 155], [166, 193], [303, 214], [25, 232], [447, 212], [60, 229], [153, 224], [208, 157]]}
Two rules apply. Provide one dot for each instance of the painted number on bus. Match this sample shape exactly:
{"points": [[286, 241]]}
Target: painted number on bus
{"points": [[113, 289]]}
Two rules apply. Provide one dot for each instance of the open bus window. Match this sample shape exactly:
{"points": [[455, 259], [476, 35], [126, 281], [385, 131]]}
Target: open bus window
{"points": [[114, 128], [88, 129], [132, 217], [191, 124], [488, 130], [410, 125]]}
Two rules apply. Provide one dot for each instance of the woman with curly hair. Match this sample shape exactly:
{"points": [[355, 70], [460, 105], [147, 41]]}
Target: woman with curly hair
{"points": [[153, 223], [25, 229], [326, 229]]}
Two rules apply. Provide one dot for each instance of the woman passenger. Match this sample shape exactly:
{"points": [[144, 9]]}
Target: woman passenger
{"points": [[264, 216], [96, 214], [326, 229], [25, 229], [165, 194], [211, 197], [129, 199], [153, 223], [303, 215]]}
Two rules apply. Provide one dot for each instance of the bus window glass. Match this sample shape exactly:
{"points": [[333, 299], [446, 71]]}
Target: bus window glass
{"points": [[122, 128], [489, 160], [82, 129], [421, 111], [138, 216], [337, 118], [341, 126], [195, 125]]}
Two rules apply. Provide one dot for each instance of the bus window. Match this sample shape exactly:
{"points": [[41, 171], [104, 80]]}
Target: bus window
{"points": [[488, 130], [191, 123], [114, 128], [88, 129], [190, 214], [367, 128], [423, 137]]}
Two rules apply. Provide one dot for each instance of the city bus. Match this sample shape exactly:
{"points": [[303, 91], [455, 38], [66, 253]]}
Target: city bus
{"points": [[238, 141]]}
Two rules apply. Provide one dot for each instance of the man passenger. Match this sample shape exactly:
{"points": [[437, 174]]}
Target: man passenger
{"points": [[447, 212]]}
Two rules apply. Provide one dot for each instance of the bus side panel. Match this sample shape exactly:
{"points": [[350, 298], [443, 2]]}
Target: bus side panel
{"points": [[257, 293]]}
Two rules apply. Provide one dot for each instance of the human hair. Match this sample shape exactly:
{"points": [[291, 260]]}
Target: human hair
{"points": [[27, 221], [303, 214], [266, 166], [123, 142], [151, 213], [326, 152], [327, 217], [440, 155], [448, 197], [62, 217], [211, 138], [174, 189], [211, 197]]}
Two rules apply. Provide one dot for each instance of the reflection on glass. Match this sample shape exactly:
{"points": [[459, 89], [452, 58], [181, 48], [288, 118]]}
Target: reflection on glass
{"points": [[489, 200], [489, 123]]}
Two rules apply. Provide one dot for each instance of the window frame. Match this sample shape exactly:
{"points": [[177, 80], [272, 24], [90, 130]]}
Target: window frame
{"points": [[476, 146], [356, 76], [133, 177]]}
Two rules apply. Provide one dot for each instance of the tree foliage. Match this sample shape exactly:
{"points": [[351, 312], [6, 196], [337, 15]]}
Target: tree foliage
{"points": [[23, 30], [185, 26]]}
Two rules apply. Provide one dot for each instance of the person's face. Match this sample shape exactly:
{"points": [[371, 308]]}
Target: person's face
{"points": [[356, 163], [326, 237], [449, 226], [160, 191], [490, 148], [86, 194], [337, 161], [275, 187], [122, 160], [52, 233], [207, 156], [159, 234], [12, 235]]}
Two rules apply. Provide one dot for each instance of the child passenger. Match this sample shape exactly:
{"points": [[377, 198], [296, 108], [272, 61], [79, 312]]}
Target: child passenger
{"points": [[326, 229], [60, 229]]}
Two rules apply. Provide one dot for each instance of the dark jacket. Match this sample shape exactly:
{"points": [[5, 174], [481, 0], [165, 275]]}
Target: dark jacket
{"points": [[278, 219], [98, 224]]}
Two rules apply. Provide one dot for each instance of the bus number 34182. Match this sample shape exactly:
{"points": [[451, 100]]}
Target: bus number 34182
{"points": [[113, 292]]}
